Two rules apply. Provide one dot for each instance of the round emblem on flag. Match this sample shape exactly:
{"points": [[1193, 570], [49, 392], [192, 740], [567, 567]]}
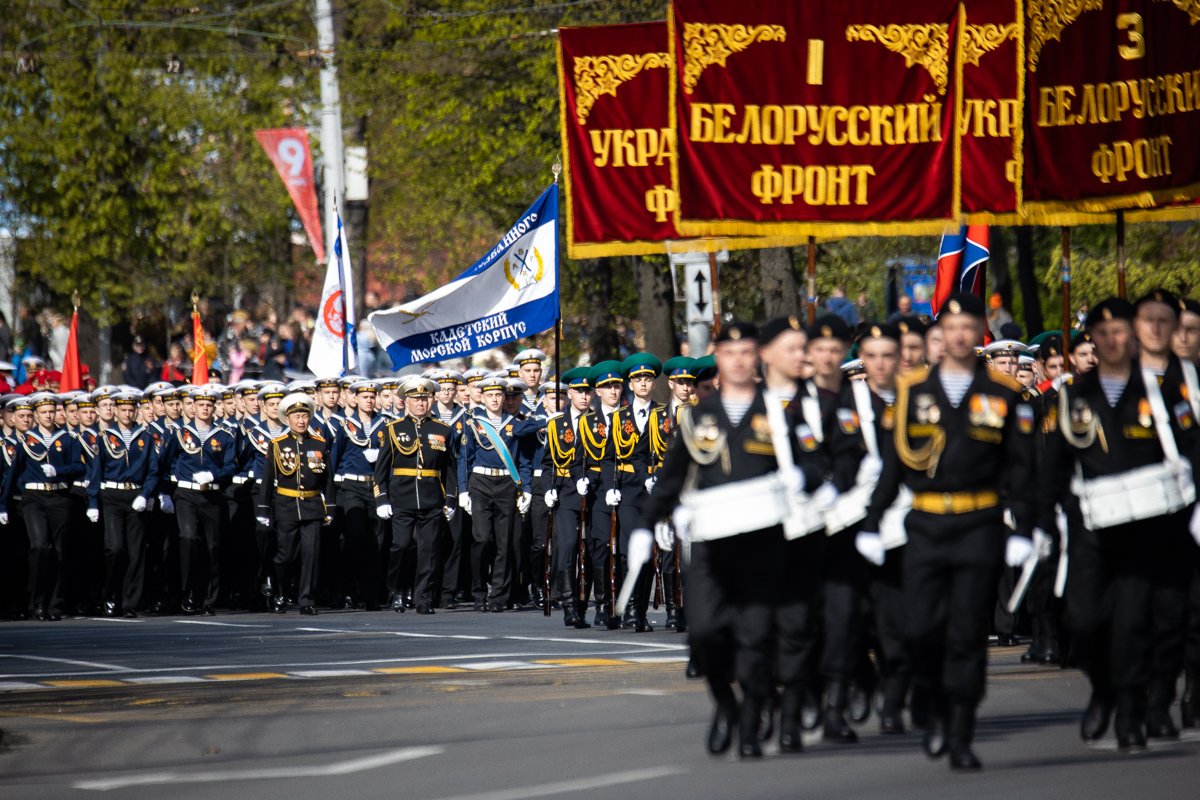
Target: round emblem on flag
{"points": [[331, 315]]}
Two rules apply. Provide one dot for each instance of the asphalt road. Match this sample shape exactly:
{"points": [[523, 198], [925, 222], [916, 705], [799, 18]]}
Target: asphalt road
{"points": [[480, 707]]}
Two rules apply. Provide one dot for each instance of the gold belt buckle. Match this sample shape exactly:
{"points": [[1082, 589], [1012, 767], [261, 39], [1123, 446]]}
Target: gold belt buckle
{"points": [[947, 502]]}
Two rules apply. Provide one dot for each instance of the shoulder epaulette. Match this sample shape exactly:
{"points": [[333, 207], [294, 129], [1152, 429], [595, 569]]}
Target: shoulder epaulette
{"points": [[912, 376], [281, 436], [316, 436], [1004, 379]]}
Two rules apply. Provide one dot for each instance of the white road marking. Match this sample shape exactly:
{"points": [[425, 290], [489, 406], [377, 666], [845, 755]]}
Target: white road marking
{"points": [[330, 673], [610, 642], [219, 776], [218, 624], [115, 619], [156, 679], [8, 686], [486, 665], [646, 692], [580, 785], [92, 664]]}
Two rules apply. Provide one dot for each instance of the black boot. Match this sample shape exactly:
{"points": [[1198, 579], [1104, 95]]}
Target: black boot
{"points": [[891, 716], [1131, 721], [837, 729], [766, 716], [641, 624], [671, 619], [725, 717], [748, 727], [680, 620], [1159, 724], [960, 732], [1096, 716], [934, 740], [572, 618], [790, 740], [627, 617], [1189, 704], [810, 710]]}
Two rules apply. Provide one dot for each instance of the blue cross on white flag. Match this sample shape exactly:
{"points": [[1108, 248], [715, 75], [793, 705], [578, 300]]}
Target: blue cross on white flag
{"points": [[334, 348], [509, 294]]}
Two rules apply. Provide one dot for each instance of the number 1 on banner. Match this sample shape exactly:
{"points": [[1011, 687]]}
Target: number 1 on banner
{"points": [[816, 62]]}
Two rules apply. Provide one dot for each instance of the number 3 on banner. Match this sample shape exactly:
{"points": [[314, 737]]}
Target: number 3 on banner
{"points": [[1132, 25], [291, 151]]}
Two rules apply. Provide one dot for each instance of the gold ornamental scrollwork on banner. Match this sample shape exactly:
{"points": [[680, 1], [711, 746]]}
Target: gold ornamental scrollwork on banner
{"points": [[601, 75], [1049, 18], [926, 45], [1189, 7], [706, 44], [983, 39]]}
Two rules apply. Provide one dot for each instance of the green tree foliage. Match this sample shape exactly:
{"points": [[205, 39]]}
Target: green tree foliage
{"points": [[128, 165]]}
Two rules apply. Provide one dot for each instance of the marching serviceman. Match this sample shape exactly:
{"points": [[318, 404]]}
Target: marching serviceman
{"points": [[122, 484], [416, 462], [681, 381], [259, 428], [457, 540], [291, 499], [360, 435], [491, 471], [529, 370], [200, 457], [567, 498], [964, 446], [45, 460], [731, 454], [1186, 346], [551, 394], [607, 385], [631, 430]]}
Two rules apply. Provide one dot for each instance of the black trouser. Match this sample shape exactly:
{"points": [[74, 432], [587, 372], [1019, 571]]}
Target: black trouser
{"points": [[672, 572], [47, 516], [456, 576], [599, 534], [265, 547], [14, 563], [200, 517], [83, 569], [798, 611], [415, 528], [359, 556], [1109, 602], [162, 559], [887, 604], [124, 548], [539, 515], [298, 539], [951, 567], [734, 587], [1169, 601], [239, 572], [843, 584], [633, 494], [1192, 636], [565, 551], [493, 507], [1004, 622]]}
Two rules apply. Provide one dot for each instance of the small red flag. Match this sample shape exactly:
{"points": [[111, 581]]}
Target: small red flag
{"points": [[199, 352], [72, 373]]}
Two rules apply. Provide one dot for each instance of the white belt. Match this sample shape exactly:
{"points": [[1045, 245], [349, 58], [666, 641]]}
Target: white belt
{"points": [[240, 479], [537, 473], [119, 485], [738, 507], [360, 478], [45, 487], [1144, 493], [80, 484], [490, 472], [196, 487]]}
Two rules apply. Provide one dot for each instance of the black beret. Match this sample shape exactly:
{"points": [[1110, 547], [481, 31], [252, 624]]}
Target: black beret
{"points": [[1112, 308], [963, 303], [1159, 296], [771, 329], [737, 330], [911, 324], [830, 326]]}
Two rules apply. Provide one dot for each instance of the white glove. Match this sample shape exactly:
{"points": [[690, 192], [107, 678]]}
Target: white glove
{"points": [[612, 497], [869, 470], [264, 521], [1010, 521], [523, 503], [582, 485], [138, 504], [93, 515], [449, 512], [682, 518], [4, 518], [825, 496], [464, 502], [664, 537], [371, 454], [1194, 525], [1017, 551], [870, 546], [793, 480], [640, 542], [650, 484], [1043, 545], [203, 476], [551, 498], [168, 505], [48, 470], [384, 511]]}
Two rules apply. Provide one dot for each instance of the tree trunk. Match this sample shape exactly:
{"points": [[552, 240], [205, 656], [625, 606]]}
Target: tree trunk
{"points": [[778, 281], [598, 295], [656, 307], [1027, 278], [998, 267]]}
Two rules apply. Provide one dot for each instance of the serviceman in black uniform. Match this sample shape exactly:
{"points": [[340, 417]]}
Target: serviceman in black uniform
{"points": [[600, 467], [563, 461], [681, 381], [416, 462], [738, 497], [964, 445], [291, 498]]}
